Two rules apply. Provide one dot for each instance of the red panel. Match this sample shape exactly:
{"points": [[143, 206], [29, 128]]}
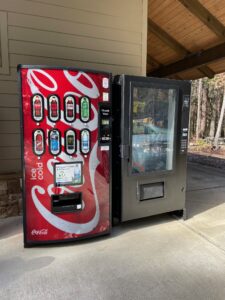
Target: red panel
{"points": [[41, 224]]}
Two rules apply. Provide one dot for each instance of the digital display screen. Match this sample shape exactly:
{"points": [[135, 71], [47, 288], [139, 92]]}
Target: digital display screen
{"points": [[68, 173]]}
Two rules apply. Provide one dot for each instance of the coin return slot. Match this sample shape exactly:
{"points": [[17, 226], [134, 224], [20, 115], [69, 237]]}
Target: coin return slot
{"points": [[151, 191], [66, 203]]}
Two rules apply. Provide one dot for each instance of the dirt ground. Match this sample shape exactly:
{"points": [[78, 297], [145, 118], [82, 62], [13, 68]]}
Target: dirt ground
{"points": [[206, 149]]}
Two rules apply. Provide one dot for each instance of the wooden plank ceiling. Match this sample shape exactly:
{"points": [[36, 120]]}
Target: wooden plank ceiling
{"points": [[186, 38]]}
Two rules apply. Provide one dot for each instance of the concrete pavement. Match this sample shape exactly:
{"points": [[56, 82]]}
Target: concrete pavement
{"points": [[156, 258]]}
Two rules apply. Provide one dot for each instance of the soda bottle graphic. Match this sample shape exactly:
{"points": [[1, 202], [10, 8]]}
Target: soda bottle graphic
{"points": [[37, 107], [70, 108], [84, 109], [85, 141], [77, 174], [54, 137], [39, 143], [54, 142], [70, 142], [54, 108]]}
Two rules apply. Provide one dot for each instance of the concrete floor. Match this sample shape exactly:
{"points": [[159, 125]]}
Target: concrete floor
{"points": [[156, 258]]}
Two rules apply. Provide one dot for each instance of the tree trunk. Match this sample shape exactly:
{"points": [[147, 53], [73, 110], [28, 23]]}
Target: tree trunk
{"points": [[212, 120], [219, 127], [203, 112], [198, 108]]}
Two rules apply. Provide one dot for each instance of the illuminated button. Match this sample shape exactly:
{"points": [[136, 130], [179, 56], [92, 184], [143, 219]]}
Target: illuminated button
{"points": [[37, 107], [70, 142], [85, 141], [53, 108], [54, 142], [105, 82], [38, 142], [85, 109], [70, 108], [105, 96]]}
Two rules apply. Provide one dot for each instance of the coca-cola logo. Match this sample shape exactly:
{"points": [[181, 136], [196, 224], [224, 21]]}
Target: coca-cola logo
{"points": [[39, 232]]}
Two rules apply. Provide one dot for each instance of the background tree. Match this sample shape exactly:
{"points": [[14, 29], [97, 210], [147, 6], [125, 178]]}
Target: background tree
{"points": [[207, 109]]}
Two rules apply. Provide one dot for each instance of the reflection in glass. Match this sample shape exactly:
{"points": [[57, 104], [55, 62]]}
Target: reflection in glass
{"points": [[153, 129]]}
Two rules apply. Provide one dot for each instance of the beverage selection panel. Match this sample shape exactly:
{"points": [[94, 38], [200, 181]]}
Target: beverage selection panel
{"points": [[70, 137]]}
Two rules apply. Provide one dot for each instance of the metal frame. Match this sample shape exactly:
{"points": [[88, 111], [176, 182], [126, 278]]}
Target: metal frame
{"points": [[141, 83]]}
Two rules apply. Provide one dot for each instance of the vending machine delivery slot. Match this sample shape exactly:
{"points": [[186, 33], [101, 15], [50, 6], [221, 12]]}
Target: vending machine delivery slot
{"points": [[66, 202]]}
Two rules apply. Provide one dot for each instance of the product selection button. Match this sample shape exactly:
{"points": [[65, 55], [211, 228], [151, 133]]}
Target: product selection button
{"points": [[105, 82], [70, 142], [53, 108], [85, 109], [38, 142], [54, 140], [37, 107], [70, 108], [85, 140]]}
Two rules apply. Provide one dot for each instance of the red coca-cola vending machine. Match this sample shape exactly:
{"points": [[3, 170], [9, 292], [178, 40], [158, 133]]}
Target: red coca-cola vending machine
{"points": [[66, 144]]}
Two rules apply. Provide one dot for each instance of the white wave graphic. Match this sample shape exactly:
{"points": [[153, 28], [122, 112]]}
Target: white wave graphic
{"points": [[67, 226], [92, 92]]}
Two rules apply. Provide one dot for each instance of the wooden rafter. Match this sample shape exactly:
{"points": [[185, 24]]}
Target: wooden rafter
{"points": [[197, 9], [192, 61], [153, 62], [166, 38], [175, 45]]}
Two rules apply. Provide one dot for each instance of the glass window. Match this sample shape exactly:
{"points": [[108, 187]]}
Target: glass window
{"points": [[153, 129]]}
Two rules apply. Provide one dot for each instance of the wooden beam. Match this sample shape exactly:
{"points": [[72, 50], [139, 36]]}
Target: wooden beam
{"points": [[197, 9], [177, 47], [153, 62], [192, 61], [166, 38], [206, 71]]}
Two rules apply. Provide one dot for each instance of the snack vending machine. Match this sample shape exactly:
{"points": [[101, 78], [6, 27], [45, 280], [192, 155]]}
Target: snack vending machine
{"points": [[66, 145], [150, 138]]}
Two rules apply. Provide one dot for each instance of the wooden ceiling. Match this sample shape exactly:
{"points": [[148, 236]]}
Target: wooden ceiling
{"points": [[186, 38]]}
